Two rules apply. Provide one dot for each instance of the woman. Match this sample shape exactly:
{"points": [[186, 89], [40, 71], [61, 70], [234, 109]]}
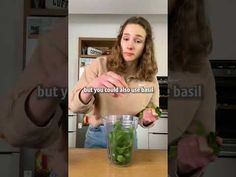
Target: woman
{"points": [[190, 44], [32, 122], [132, 65]]}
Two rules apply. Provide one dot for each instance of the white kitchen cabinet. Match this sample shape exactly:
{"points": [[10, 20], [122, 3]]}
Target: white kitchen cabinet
{"points": [[142, 137], [118, 7], [157, 141], [9, 164], [72, 139], [155, 137], [72, 121], [158, 135], [72, 126], [161, 126], [9, 160]]}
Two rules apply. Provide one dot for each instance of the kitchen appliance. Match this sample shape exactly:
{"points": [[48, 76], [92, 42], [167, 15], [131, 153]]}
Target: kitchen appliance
{"points": [[163, 86], [81, 131], [225, 77]]}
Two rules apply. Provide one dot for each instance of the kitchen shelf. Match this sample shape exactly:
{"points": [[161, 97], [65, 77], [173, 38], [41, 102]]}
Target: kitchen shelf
{"points": [[102, 43], [48, 12], [33, 36], [88, 56], [226, 106]]}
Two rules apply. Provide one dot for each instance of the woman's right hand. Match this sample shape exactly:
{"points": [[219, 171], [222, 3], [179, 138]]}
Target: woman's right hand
{"points": [[109, 80], [106, 80]]}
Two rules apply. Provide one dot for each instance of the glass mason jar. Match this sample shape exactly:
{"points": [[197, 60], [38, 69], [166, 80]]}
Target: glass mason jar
{"points": [[121, 137]]}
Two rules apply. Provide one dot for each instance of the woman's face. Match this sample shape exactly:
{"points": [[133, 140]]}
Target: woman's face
{"points": [[133, 42]]}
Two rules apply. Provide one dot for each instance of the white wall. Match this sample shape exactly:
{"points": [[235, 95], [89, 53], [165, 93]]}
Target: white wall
{"points": [[222, 20], [11, 43], [107, 26], [118, 6]]}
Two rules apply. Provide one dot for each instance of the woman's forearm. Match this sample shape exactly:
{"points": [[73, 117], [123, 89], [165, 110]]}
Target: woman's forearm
{"points": [[85, 97], [40, 110]]}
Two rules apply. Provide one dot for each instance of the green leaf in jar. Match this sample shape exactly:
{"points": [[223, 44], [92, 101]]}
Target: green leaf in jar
{"points": [[121, 158], [121, 144]]}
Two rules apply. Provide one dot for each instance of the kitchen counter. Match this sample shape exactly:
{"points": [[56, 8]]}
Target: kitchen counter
{"points": [[94, 163]]}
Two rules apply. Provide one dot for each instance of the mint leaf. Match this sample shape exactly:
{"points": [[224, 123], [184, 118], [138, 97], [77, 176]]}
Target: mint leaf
{"points": [[153, 106], [200, 129], [121, 142], [158, 111], [211, 139]]}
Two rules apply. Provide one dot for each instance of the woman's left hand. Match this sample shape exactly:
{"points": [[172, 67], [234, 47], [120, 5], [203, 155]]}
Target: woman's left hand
{"points": [[95, 121], [149, 117], [193, 152]]}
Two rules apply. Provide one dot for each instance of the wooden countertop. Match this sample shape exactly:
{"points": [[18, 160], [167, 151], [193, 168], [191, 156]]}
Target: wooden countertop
{"points": [[94, 163]]}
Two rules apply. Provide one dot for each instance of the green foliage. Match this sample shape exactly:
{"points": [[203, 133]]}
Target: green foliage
{"points": [[151, 105], [158, 111], [121, 142], [211, 139]]}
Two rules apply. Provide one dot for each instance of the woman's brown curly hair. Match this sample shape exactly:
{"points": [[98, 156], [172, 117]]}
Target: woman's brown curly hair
{"points": [[147, 67], [190, 40]]}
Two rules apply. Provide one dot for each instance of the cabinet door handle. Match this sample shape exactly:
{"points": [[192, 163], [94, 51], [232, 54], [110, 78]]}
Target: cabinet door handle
{"points": [[8, 153], [156, 133], [71, 131]]}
